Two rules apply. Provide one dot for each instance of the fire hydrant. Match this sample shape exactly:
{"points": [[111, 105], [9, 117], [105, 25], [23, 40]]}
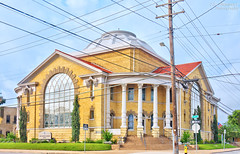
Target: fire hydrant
{"points": [[185, 149]]}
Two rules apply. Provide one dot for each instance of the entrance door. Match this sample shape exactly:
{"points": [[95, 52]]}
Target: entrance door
{"points": [[144, 124]]}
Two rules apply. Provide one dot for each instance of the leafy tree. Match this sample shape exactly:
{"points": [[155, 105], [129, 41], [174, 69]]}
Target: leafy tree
{"points": [[234, 119], [75, 120], [23, 124], [231, 131], [215, 128]]}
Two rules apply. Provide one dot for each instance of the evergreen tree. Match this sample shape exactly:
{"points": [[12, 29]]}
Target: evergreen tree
{"points": [[215, 128], [75, 120], [23, 124]]}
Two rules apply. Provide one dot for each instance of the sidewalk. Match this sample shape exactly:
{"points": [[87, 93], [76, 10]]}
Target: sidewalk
{"points": [[115, 151]]}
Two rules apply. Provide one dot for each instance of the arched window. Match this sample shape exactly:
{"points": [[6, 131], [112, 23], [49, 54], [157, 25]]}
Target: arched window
{"points": [[130, 122], [195, 98], [59, 97]]}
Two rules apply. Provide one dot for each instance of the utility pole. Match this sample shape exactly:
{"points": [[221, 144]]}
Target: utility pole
{"points": [[173, 79]]}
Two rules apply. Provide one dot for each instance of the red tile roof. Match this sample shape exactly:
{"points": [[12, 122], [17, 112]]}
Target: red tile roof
{"points": [[181, 69], [89, 63]]}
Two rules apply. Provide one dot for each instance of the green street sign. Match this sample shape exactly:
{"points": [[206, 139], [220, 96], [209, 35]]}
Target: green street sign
{"points": [[195, 116]]}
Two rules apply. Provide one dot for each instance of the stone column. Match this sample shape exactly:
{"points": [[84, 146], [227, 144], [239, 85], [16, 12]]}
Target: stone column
{"points": [[18, 112], [155, 128], [168, 116], [168, 129], [139, 126], [124, 108], [108, 107]]}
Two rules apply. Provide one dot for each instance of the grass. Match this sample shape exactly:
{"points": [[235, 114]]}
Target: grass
{"points": [[214, 146], [57, 146]]}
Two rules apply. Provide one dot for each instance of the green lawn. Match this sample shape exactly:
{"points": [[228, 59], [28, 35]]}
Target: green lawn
{"points": [[57, 146], [214, 146]]}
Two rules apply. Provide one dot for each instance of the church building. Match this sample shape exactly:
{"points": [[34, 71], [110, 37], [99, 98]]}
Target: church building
{"points": [[123, 86]]}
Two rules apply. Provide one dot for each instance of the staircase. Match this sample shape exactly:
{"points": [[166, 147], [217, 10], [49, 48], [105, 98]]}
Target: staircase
{"points": [[148, 143]]}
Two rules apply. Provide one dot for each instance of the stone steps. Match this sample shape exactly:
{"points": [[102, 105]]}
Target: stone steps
{"points": [[161, 143]]}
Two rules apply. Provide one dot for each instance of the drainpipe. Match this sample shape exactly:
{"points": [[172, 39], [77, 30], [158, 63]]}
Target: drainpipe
{"points": [[134, 60], [105, 87]]}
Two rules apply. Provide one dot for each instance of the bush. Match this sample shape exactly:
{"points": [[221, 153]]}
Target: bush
{"points": [[11, 136], [99, 141], [52, 141], [186, 137], [200, 142], [88, 140], [107, 135], [192, 142], [212, 141], [206, 142], [114, 141], [2, 136]]}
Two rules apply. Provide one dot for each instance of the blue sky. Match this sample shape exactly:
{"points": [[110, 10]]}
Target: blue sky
{"points": [[20, 56]]}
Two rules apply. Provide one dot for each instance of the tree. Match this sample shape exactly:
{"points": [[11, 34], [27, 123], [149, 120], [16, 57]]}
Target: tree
{"points": [[215, 128], [234, 119], [232, 131], [23, 124], [75, 120]]}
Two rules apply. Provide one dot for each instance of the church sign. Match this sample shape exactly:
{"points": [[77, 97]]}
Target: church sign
{"points": [[44, 136]]}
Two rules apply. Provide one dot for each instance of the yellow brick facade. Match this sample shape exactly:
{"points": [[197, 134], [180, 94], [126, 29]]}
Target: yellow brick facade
{"points": [[116, 63]]}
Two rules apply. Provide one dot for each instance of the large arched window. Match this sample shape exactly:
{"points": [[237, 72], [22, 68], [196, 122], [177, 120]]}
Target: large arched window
{"points": [[59, 97], [130, 122], [195, 98]]}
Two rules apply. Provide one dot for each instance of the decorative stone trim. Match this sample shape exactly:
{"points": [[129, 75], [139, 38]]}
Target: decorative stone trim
{"points": [[50, 74], [112, 112], [131, 112]]}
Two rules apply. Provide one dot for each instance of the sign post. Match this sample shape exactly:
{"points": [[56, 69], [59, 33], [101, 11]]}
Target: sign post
{"points": [[195, 126], [85, 128]]}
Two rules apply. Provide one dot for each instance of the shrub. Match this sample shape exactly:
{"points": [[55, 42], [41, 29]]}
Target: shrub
{"points": [[52, 141], [206, 142], [114, 141], [192, 142], [107, 135], [212, 141], [200, 142], [186, 137], [99, 141], [2, 136], [88, 140], [11, 136]]}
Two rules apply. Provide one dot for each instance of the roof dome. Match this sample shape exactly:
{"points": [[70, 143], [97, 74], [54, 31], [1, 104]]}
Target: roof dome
{"points": [[116, 40]]}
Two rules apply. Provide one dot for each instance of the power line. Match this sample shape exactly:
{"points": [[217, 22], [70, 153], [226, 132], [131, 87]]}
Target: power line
{"points": [[202, 14]]}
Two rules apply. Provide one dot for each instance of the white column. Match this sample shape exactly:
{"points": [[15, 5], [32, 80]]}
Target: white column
{"points": [[168, 107], [140, 106], [18, 111], [124, 106], [108, 107], [155, 106]]}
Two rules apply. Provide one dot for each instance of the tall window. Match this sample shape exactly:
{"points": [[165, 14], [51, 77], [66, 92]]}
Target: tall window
{"points": [[91, 114], [151, 121], [59, 97], [28, 97], [130, 94], [111, 93], [8, 119], [130, 121], [144, 94], [15, 120], [0, 131], [170, 92], [195, 98], [151, 94]]}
